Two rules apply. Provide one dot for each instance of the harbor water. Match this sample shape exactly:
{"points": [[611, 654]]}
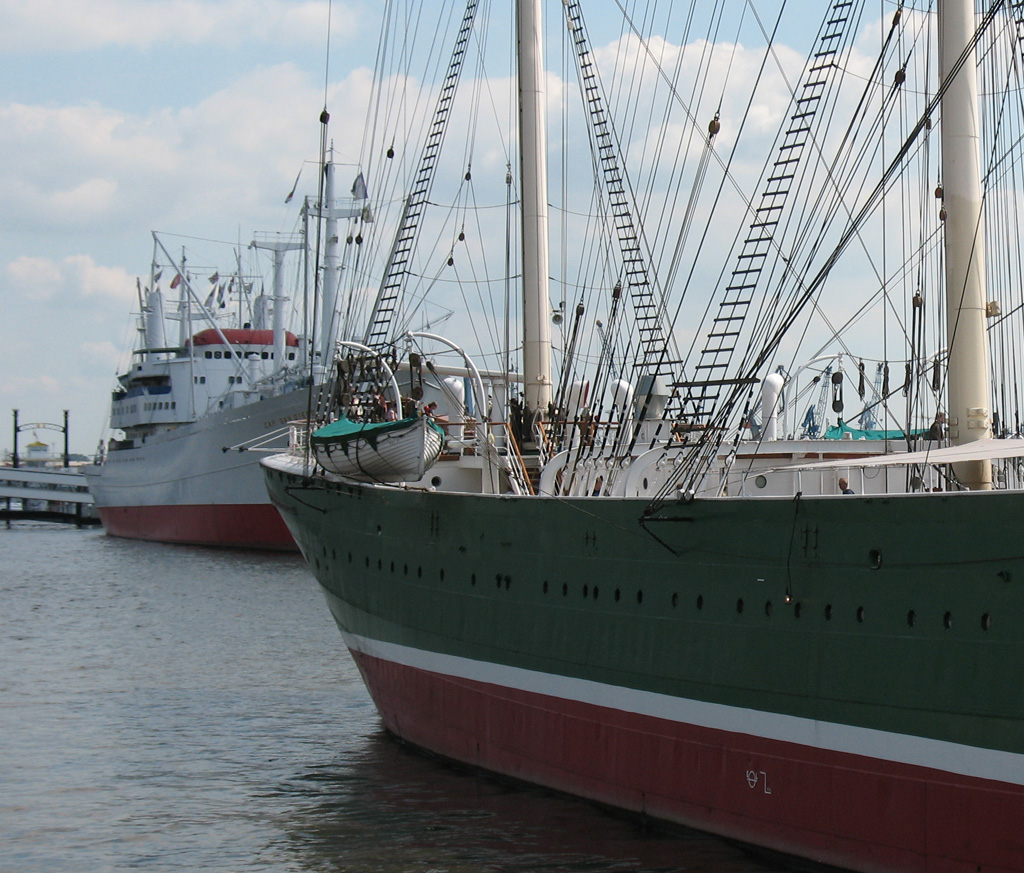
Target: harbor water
{"points": [[166, 708]]}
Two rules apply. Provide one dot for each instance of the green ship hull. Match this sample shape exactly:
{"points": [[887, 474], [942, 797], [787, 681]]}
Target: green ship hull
{"points": [[837, 678]]}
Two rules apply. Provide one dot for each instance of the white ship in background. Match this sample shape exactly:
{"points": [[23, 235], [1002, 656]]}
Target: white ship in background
{"points": [[222, 363]]}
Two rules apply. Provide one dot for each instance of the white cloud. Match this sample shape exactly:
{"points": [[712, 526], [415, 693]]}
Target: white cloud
{"points": [[71, 278], [38, 277], [44, 26], [231, 155], [102, 355], [70, 166]]}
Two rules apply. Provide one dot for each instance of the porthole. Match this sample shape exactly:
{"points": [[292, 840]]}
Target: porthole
{"points": [[986, 622], [586, 590], [392, 566], [675, 600], [768, 608], [860, 613], [545, 586], [508, 582], [700, 601], [441, 574], [618, 594], [565, 589], [828, 612], [761, 481], [436, 481], [639, 597], [797, 609], [739, 605], [595, 592], [497, 580], [911, 618], [875, 558], [947, 620]]}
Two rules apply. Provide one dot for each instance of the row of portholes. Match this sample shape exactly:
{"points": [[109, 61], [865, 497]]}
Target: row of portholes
{"points": [[947, 618], [392, 566], [594, 592], [587, 591]]}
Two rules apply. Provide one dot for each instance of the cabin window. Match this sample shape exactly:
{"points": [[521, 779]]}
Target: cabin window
{"points": [[264, 355], [209, 354], [217, 355], [291, 356]]}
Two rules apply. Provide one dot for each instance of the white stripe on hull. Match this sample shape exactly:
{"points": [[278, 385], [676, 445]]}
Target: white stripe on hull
{"points": [[954, 758]]}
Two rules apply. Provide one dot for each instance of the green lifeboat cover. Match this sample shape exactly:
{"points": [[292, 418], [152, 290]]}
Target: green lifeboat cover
{"points": [[345, 430], [839, 432]]}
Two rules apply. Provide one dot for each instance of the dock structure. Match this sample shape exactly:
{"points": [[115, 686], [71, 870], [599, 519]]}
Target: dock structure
{"points": [[45, 494]]}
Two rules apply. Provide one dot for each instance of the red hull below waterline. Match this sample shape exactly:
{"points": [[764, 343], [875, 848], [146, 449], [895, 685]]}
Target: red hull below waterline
{"points": [[855, 811], [257, 526]]}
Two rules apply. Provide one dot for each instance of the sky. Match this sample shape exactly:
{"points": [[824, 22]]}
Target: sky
{"points": [[121, 117], [118, 117]]}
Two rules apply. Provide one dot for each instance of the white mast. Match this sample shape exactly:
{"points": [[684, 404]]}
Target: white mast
{"points": [[280, 300], [331, 212], [967, 340], [533, 165], [332, 267], [153, 313]]}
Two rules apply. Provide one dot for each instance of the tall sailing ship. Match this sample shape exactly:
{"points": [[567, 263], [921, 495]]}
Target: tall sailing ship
{"points": [[224, 360], [638, 576]]}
